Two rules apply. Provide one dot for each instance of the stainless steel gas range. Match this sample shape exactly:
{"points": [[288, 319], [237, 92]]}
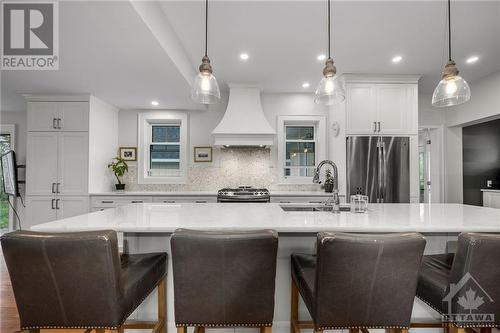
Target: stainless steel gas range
{"points": [[243, 194]]}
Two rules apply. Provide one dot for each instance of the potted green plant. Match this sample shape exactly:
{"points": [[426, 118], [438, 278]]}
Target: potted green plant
{"points": [[328, 181], [119, 168]]}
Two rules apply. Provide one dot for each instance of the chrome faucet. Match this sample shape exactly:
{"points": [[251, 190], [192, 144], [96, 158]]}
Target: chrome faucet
{"points": [[335, 193]]}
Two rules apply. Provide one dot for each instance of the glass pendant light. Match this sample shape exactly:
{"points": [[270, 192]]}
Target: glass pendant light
{"points": [[330, 90], [205, 89], [452, 89]]}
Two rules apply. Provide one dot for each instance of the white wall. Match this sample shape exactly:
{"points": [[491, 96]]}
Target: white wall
{"points": [[103, 144], [484, 103], [202, 123]]}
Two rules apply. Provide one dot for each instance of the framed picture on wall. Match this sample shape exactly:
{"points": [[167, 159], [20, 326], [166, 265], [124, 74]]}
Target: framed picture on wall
{"points": [[202, 154], [128, 153]]}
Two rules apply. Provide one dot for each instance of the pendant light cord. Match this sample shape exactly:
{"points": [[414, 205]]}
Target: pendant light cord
{"points": [[449, 30], [206, 28], [329, 38]]}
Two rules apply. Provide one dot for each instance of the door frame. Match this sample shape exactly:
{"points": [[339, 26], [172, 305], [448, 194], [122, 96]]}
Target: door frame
{"points": [[442, 160], [11, 130]]}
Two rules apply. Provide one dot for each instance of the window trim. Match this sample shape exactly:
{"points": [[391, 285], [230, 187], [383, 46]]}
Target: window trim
{"points": [[145, 120], [321, 144]]}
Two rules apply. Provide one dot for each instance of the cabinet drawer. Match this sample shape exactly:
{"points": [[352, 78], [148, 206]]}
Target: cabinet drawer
{"points": [[318, 199], [117, 201], [185, 199]]}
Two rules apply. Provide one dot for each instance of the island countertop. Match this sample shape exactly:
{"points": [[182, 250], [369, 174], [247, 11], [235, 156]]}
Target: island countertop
{"points": [[165, 218]]}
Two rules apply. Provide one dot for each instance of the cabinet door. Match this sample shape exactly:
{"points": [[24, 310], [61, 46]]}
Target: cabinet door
{"points": [[41, 163], [39, 209], [42, 116], [361, 109], [393, 112], [73, 163], [74, 116], [71, 206]]}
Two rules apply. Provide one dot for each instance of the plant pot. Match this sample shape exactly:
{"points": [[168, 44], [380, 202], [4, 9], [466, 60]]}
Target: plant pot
{"points": [[120, 187], [328, 188]]}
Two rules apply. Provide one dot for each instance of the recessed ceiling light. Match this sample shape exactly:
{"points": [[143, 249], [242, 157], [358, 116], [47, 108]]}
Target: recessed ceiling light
{"points": [[155, 103], [244, 56], [305, 85], [472, 60], [321, 57], [397, 59]]}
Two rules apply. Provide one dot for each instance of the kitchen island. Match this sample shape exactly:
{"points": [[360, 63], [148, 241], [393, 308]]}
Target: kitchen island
{"points": [[147, 228]]}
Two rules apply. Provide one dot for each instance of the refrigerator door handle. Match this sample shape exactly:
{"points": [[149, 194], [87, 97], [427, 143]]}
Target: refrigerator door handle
{"points": [[384, 172], [379, 170]]}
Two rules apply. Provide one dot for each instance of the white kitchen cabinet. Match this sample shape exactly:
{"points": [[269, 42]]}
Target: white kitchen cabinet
{"points": [[57, 163], [41, 163], [361, 108], [58, 116], [72, 163], [393, 108], [71, 206], [185, 199], [381, 106], [39, 209], [294, 199], [491, 198]]}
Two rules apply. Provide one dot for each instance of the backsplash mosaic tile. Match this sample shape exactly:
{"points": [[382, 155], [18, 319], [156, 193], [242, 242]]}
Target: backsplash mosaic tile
{"points": [[230, 168]]}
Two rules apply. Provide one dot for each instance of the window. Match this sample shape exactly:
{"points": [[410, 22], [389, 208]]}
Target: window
{"points": [[300, 151], [163, 147], [301, 146], [164, 150]]}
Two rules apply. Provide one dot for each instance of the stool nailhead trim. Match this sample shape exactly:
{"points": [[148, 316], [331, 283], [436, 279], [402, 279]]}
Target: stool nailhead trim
{"points": [[225, 325]]}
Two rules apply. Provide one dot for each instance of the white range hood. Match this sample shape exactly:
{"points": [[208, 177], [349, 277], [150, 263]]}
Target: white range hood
{"points": [[244, 123]]}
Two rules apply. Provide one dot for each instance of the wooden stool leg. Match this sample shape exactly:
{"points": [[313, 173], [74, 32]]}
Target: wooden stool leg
{"points": [[266, 329], [354, 330], [294, 308], [485, 329], [318, 331], [199, 329], [162, 306], [182, 329]]}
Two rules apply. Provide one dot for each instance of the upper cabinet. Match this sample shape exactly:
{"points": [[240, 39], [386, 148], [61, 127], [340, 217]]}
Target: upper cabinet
{"points": [[381, 106], [68, 116]]}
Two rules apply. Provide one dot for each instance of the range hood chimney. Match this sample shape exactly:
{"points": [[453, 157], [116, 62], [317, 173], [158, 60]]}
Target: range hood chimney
{"points": [[244, 123]]}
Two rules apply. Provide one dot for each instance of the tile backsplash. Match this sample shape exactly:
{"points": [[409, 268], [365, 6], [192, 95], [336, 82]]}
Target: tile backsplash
{"points": [[230, 167]]}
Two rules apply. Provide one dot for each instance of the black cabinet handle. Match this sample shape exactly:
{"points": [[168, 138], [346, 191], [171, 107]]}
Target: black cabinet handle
{"points": [[53, 201], [137, 201], [107, 201], [201, 201], [168, 201], [57, 203]]}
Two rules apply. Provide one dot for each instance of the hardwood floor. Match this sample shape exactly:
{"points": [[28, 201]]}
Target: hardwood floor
{"points": [[9, 318]]}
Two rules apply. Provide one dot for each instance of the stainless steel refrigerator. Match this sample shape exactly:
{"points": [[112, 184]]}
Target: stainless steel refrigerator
{"points": [[380, 167]]}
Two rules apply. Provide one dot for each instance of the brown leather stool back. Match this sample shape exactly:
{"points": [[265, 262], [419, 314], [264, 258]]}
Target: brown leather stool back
{"points": [[476, 268], [224, 278], [366, 280], [67, 279]]}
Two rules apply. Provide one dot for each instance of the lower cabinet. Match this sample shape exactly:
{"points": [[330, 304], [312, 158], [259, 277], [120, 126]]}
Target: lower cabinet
{"points": [[98, 203], [41, 209], [292, 199], [491, 199]]}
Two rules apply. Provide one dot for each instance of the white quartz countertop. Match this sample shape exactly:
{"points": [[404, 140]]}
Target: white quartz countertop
{"points": [[206, 193], [496, 190], [155, 217]]}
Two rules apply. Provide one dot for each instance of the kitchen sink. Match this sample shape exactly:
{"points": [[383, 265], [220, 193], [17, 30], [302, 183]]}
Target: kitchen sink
{"points": [[309, 208]]}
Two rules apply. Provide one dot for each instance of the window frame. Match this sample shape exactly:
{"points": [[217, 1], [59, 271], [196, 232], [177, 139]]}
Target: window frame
{"points": [[320, 140], [146, 121]]}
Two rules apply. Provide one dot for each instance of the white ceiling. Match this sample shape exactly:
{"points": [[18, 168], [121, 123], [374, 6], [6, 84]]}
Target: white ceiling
{"points": [[107, 50]]}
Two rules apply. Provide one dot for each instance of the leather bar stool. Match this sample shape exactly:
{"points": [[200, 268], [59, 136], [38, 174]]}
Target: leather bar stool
{"points": [[466, 283], [224, 279], [357, 281], [79, 280]]}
